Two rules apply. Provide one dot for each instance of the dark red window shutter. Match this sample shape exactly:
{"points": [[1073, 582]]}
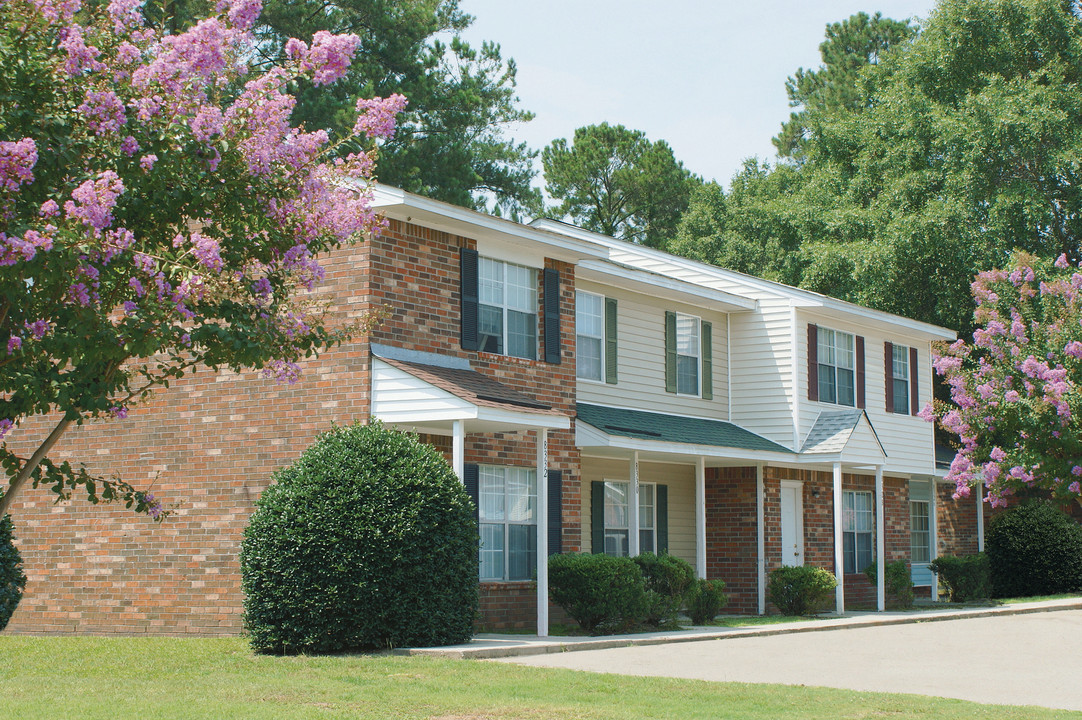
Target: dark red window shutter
{"points": [[888, 374], [813, 362]]}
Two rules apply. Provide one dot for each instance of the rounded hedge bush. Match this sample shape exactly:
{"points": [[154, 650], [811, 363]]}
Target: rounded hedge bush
{"points": [[367, 541], [12, 579], [801, 589], [1034, 549], [603, 594]]}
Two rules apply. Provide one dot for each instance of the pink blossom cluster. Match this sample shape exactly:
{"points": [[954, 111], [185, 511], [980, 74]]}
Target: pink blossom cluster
{"points": [[93, 201], [104, 112], [17, 161], [57, 10], [376, 116], [14, 249], [328, 58]]}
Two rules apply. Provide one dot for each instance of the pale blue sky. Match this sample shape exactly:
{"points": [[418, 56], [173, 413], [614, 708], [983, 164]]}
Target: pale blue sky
{"points": [[707, 77]]}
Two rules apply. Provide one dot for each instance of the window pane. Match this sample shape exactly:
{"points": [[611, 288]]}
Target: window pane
{"points": [[521, 288], [521, 495], [491, 505], [827, 390], [901, 396], [864, 551], [616, 542], [900, 362], [490, 328], [826, 347], [590, 314], [687, 335], [646, 506], [491, 554], [849, 556], [646, 541], [521, 334], [616, 507], [490, 281], [846, 354], [687, 375], [588, 358], [521, 551], [919, 532], [846, 392]]}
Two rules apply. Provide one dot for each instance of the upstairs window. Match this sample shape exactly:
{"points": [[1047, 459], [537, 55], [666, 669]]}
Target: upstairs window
{"points": [[687, 354], [507, 309], [836, 357], [590, 340], [900, 378]]}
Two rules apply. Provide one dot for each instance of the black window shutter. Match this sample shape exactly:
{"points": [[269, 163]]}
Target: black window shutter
{"points": [[860, 371], [888, 374], [670, 352], [597, 517], [468, 294], [610, 341], [708, 360], [552, 316], [662, 499], [471, 478], [555, 519], [813, 362], [914, 395]]}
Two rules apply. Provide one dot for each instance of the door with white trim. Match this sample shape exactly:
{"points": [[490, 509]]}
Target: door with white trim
{"points": [[792, 523]]}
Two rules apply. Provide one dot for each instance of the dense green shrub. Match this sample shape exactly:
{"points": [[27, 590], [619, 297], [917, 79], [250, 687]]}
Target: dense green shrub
{"points": [[667, 580], [801, 589], [367, 541], [898, 581], [1034, 549], [965, 578], [603, 594], [705, 599], [12, 579]]}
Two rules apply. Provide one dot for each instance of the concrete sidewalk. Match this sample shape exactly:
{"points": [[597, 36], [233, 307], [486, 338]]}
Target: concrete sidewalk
{"points": [[488, 646]]}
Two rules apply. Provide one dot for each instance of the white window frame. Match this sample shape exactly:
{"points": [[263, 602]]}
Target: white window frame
{"points": [[858, 522], [508, 516], [900, 361], [579, 294], [493, 293], [920, 539], [697, 323], [647, 518], [828, 353]]}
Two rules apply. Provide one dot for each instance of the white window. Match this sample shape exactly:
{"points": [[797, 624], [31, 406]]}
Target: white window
{"points": [[858, 519], [507, 515], [507, 310], [836, 355], [900, 378], [688, 355], [590, 329], [618, 518], [920, 533]]}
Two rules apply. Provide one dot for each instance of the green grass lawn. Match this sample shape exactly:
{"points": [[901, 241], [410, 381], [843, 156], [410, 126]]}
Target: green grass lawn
{"points": [[88, 677]]}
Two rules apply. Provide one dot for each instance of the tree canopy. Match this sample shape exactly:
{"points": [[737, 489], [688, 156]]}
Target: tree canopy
{"points": [[615, 181], [159, 213]]}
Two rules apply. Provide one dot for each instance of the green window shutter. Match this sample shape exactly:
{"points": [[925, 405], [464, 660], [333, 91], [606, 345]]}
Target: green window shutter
{"points": [[670, 352], [610, 341], [708, 360], [597, 517], [662, 499]]}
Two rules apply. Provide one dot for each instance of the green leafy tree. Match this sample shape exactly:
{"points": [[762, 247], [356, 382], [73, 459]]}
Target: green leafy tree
{"points": [[158, 213], [615, 181]]}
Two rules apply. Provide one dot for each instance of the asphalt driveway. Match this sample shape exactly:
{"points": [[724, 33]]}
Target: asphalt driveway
{"points": [[1032, 659]]}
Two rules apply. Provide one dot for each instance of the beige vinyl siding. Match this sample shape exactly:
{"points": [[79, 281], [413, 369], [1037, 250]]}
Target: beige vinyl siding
{"points": [[681, 482], [907, 439], [762, 371], [641, 352]]}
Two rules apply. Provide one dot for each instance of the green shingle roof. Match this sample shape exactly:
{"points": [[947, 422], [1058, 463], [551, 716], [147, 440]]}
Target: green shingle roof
{"points": [[673, 428]]}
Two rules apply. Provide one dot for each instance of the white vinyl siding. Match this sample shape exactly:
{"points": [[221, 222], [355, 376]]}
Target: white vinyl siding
{"points": [[762, 371], [590, 338]]}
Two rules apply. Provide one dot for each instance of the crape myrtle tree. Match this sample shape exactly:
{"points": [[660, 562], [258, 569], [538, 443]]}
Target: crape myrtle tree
{"points": [[1016, 389], [158, 212]]}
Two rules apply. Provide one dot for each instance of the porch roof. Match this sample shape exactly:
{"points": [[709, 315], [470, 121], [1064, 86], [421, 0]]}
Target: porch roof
{"points": [[661, 427]]}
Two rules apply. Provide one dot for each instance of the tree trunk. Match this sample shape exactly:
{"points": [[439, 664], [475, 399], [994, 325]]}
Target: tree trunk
{"points": [[24, 474]]}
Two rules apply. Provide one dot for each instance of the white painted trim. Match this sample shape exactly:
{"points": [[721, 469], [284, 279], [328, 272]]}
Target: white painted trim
{"points": [[729, 367], [633, 508], [542, 533], [700, 517], [980, 517], [798, 515], [760, 536], [458, 449], [794, 343], [839, 558], [934, 530], [880, 543]]}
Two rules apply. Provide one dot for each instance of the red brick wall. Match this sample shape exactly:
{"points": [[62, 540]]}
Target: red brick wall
{"points": [[731, 548], [956, 522], [210, 444]]}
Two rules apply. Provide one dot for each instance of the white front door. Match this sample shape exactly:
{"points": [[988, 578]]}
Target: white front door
{"points": [[792, 523]]}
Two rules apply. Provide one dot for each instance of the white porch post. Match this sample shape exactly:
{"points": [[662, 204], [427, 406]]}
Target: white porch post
{"points": [[933, 529], [760, 537], [980, 517], [458, 449], [542, 533], [700, 517], [633, 508], [839, 558], [880, 543]]}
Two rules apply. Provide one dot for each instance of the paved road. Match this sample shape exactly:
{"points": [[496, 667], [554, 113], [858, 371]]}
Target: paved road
{"points": [[1033, 659]]}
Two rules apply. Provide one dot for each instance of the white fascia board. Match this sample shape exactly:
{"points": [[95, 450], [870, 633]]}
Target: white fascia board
{"points": [[599, 438], [800, 298], [651, 283], [408, 207], [881, 321], [512, 418]]}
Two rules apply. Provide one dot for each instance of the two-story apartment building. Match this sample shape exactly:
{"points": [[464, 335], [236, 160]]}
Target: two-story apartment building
{"points": [[593, 395]]}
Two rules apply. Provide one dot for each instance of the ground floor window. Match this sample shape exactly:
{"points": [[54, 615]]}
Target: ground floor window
{"points": [[507, 517], [618, 518], [858, 520], [920, 532]]}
